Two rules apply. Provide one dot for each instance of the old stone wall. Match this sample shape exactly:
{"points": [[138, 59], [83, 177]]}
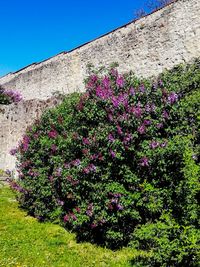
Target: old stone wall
{"points": [[147, 46], [14, 120]]}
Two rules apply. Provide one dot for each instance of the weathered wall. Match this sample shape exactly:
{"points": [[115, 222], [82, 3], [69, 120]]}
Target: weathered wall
{"points": [[14, 120], [148, 46], [161, 40]]}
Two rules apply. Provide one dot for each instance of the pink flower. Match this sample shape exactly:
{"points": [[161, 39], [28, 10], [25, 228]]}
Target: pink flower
{"points": [[66, 218], [52, 134], [86, 141]]}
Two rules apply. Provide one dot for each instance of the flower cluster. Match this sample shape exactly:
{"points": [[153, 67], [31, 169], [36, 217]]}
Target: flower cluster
{"points": [[9, 96]]}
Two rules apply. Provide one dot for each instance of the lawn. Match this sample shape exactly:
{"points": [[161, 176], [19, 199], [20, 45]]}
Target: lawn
{"points": [[24, 242]]}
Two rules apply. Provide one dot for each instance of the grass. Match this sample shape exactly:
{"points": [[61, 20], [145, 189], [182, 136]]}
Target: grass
{"points": [[24, 242]]}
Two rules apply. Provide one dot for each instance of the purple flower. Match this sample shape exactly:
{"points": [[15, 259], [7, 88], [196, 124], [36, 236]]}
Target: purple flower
{"points": [[163, 144], [106, 81], [119, 130], [86, 170], [154, 86], [52, 134], [92, 167], [13, 95], [142, 88], [53, 148], [111, 138], [86, 141], [127, 139], [147, 122], [93, 225], [114, 72], [110, 117], [159, 125], [148, 107], [119, 207], [73, 216], [66, 218], [137, 111], [154, 144], [120, 81], [160, 82], [8, 172], [141, 129], [113, 154], [60, 202], [165, 114], [89, 210], [132, 91], [13, 151], [103, 93], [172, 98], [144, 162], [76, 162]]}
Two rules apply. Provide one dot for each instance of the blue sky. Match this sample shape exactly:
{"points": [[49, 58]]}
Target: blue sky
{"points": [[32, 31]]}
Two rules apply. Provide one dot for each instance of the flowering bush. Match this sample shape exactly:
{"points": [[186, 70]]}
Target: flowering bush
{"points": [[9, 96], [110, 160]]}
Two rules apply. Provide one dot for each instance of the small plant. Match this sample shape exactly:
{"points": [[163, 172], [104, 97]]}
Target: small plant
{"points": [[9, 96]]}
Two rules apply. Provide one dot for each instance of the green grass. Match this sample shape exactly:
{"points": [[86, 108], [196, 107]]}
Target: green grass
{"points": [[24, 242]]}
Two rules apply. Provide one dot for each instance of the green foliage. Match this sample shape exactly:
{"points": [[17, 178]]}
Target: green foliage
{"points": [[114, 162], [26, 242]]}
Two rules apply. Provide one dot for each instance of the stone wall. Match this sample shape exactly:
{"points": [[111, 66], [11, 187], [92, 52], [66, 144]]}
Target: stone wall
{"points": [[14, 120], [147, 46]]}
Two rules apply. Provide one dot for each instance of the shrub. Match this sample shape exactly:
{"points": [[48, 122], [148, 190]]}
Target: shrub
{"points": [[116, 159]]}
